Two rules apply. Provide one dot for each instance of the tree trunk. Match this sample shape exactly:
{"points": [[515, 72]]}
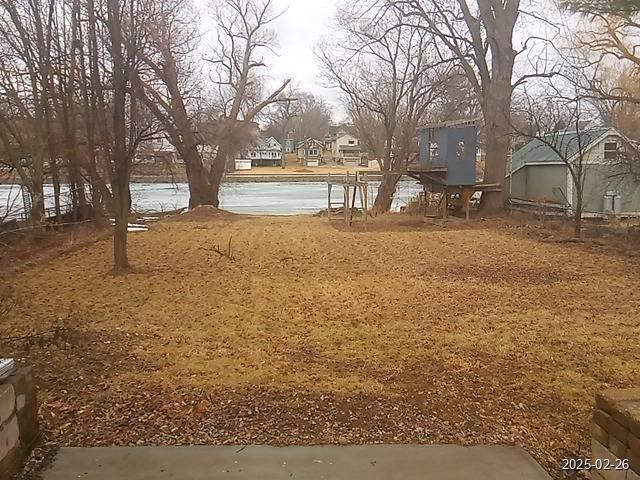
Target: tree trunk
{"points": [[121, 259], [120, 158], [577, 219], [36, 215], [216, 173], [386, 191], [496, 109], [55, 178], [36, 189]]}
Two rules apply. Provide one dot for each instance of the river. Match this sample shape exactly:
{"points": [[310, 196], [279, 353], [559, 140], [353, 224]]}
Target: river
{"points": [[289, 198]]}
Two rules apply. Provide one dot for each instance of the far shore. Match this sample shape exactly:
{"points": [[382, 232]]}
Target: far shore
{"points": [[256, 175], [255, 178]]}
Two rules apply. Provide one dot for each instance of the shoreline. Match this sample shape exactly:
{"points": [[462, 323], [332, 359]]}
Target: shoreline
{"points": [[375, 176], [256, 178]]}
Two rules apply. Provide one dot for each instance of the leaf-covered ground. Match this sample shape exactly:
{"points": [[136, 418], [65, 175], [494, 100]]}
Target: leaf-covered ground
{"points": [[410, 333]]}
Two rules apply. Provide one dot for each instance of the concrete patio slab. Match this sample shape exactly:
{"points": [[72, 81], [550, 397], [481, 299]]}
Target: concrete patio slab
{"points": [[371, 462]]}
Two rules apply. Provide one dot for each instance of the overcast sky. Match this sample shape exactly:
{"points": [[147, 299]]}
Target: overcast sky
{"points": [[302, 26], [299, 29]]}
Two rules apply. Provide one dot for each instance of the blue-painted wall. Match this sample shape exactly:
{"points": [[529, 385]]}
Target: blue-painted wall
{"points": [[461, 165]]}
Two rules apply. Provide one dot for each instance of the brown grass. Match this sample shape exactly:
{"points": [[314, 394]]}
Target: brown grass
{"points": [[315, 335]]}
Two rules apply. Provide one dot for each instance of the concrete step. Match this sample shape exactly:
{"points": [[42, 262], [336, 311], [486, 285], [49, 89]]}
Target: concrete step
{"points": [[371, 462]]}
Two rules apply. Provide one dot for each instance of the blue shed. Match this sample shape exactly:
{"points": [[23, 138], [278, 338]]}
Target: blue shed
{"points": [[448, 153]]}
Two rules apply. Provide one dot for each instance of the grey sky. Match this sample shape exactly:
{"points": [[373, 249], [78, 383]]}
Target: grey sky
{"points": [[299, 29]]}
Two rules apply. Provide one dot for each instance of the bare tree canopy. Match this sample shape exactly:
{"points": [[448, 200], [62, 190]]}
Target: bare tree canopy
{"points": [[607, 60], [603, 7], [68, 112], [306, 116], [390, 76], [479, 36]]}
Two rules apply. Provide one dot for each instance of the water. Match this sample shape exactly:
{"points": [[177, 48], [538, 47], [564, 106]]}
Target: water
{"points": [[289, 198]]}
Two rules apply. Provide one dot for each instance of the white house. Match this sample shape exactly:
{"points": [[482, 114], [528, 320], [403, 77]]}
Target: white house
{"points": [[344, 146], [265, 153]]}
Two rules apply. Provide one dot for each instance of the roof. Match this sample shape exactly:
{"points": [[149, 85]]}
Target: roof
{"points": [[568, 143], [336, 131], [311, 142], [263, 144], [450, 124]]}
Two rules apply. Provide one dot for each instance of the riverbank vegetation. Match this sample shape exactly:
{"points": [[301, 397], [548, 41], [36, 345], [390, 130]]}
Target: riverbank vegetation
{"points": [[413, 332]]}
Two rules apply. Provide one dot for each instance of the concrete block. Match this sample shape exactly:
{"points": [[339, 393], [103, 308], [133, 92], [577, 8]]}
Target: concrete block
{"points": [[631, 475], [617, 431], [607, 399], [600, 434], [634, 444], [626, 411], [634, 461], [618, 448], [602, 419], [632, 412], [9, 437], [23, 382], [619, 415], [7, 402], [599, 451]]}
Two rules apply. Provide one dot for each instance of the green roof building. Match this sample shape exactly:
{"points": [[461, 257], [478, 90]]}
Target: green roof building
{"points": [[538, 172]]}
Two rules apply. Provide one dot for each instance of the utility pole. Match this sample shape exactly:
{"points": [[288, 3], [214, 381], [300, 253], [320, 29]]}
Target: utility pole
{"points": [[287, 115]]}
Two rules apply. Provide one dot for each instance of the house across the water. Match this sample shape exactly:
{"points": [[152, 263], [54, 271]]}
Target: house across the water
{"points": [[265, 153], [344, 146], [311, 152], [536, 173]]}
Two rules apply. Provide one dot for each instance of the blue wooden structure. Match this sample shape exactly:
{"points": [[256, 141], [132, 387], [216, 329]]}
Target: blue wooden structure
{"points": [[447, 154], [447, 162]]}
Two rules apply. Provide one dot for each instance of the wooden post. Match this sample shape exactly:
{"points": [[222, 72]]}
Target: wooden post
{"points": [[329, 199], [363, 203], [445, 204], [353, 204], [365, 188], [466, 207], [346, 201]]}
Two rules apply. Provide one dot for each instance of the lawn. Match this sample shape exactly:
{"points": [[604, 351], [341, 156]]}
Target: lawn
{"points": [[313, 335]]}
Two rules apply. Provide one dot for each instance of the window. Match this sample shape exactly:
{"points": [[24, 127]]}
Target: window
{"points": [[254, 154], [352, 142], [313, 152], [274, 154], [433, 151], [610, 151]]}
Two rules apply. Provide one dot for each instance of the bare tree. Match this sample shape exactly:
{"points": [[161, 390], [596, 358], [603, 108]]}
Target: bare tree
{"points": [[244, 36], [68, 114], [558, 123], [121, 159], [311, 116], [606, 48], [480, 38], [169, 82], [166, 83], [389, 77], [26, 36]]}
